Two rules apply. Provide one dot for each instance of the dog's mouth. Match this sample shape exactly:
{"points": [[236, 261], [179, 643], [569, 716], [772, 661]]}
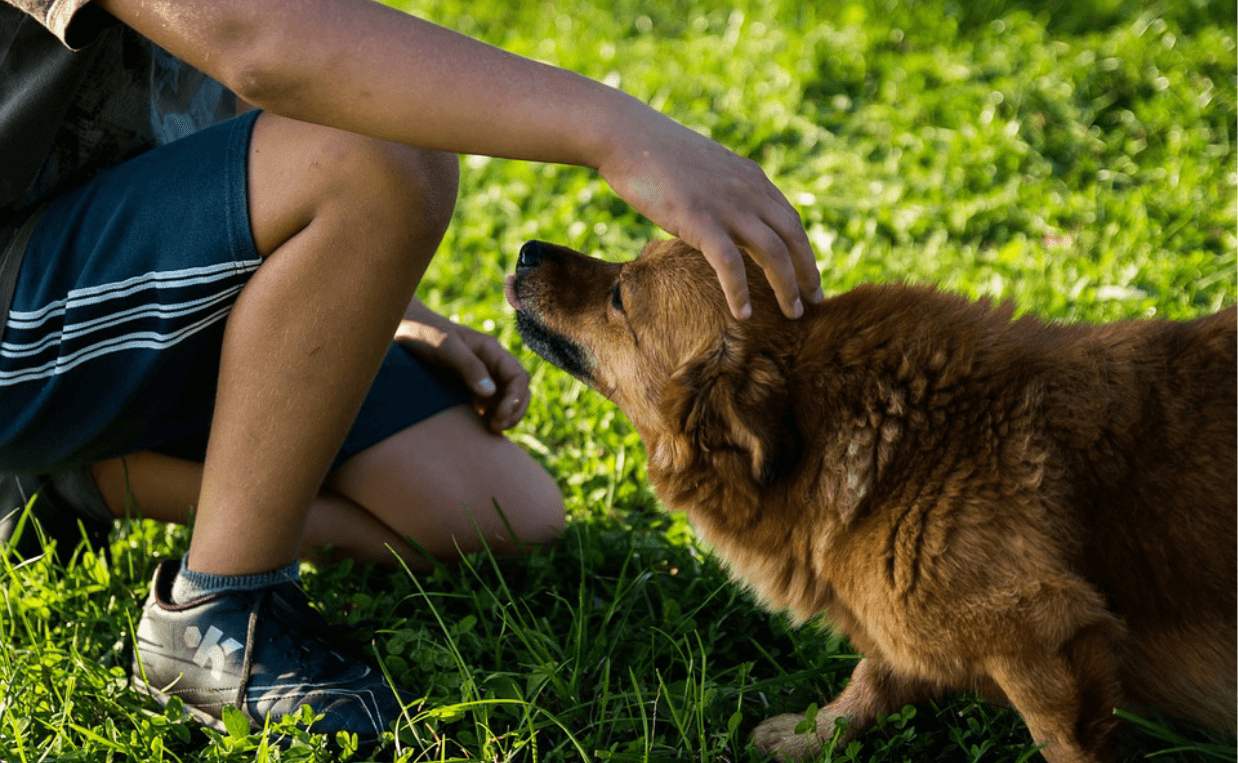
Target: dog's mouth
{"points": [[555, 348], [549, 344], [509, 290]]}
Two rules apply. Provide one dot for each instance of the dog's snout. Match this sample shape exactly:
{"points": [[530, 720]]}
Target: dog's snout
{"points": [[531, 255]]}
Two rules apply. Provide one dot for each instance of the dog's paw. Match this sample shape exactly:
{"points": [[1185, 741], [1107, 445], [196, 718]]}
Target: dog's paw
{"points": [[777, 736]]}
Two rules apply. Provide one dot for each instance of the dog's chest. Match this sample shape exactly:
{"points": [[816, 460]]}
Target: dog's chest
{"points": [[785, 577], [833, 575]]}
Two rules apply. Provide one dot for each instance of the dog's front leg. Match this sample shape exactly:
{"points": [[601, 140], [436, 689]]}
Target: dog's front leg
{"points": [[1067, 699], [874, 689]]}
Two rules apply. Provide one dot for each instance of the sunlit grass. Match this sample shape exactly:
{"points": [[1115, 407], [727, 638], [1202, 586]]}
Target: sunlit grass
{"points": [[1079, 160]]}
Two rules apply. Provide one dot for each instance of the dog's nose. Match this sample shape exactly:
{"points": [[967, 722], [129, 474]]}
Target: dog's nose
{"points": [[531, 255]]}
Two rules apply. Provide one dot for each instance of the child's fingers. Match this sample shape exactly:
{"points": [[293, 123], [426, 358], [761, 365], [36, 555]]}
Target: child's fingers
{"points": [[511, 377], [724, 257], [786, 223], [771, 253], [448, 350]]}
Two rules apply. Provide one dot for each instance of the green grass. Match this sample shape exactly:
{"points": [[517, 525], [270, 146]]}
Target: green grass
{"points": [[1078, 157]]}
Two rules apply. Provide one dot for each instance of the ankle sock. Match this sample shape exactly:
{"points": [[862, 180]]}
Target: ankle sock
{"points": [[190, 585]]}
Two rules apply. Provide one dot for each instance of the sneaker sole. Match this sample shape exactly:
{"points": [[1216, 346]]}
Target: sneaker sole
{"points": [[202, 718], [365, 747]]}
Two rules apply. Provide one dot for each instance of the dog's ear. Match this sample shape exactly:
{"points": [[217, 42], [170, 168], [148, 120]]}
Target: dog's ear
{"points": [[724, 406]]}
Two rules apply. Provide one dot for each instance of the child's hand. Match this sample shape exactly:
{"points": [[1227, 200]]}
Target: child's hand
{"points": [[499, 384], [717, 202]]}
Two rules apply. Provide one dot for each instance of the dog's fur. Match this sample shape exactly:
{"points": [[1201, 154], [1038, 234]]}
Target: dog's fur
{"points": [[1045, 513]]}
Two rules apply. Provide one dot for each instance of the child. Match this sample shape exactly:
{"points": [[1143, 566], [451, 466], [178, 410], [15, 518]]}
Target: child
{"points": [[205, 303]]}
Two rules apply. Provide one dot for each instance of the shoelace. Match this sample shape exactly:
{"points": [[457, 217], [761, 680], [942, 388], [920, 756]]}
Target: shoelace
{"points": [[340, 637]]}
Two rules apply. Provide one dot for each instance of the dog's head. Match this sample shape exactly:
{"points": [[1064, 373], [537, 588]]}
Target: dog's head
{"points": [[656, 337]]}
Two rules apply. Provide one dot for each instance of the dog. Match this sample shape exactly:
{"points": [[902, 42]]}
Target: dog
{"points": [[1041, 513]]}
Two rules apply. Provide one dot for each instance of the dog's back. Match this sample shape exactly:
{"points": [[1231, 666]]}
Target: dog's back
{"points": [[1137, 423], [1145, 426]]}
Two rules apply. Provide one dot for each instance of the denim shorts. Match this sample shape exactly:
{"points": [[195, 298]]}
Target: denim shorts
{"points": [[113, 340]]}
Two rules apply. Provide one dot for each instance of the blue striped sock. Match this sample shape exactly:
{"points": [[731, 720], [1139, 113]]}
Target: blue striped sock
{"points": [[190, 586]]}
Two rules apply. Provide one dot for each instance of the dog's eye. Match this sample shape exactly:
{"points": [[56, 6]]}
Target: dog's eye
{"points": [[616, 298]]}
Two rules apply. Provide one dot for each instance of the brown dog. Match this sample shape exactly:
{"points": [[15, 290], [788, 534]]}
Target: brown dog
{"points": [[1045, 513]]}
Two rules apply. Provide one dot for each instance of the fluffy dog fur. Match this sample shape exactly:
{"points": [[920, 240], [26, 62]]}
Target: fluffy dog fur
{"points": [[1045, 513]]}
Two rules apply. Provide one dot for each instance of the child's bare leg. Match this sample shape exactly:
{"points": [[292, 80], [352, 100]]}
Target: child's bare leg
{"points": [[439, 482], [154, 486], [403, 476], [347, 226]]}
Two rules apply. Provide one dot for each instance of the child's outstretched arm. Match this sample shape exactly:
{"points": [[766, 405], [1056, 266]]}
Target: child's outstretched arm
{"points": [[366, 68]]}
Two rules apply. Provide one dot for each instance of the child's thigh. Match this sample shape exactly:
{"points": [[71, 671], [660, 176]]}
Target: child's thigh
{"points": [[450, 485], [113, 339]]}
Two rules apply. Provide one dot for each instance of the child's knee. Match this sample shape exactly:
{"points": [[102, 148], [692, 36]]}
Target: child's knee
{"points": [[535, 511], [398, 185], [300, 172]]}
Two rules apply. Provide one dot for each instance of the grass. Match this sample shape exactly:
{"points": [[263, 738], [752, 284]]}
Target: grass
{"points": [[1077, 157]]}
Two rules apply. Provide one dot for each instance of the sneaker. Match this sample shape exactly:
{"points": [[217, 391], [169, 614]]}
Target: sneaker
{"points": [[266, 652], [66, 504]]}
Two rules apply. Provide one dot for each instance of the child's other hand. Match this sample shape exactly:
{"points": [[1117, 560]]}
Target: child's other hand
{"points": [[500, 385]]}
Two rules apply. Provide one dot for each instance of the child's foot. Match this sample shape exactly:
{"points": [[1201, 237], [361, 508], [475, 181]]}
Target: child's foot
{"points": [[263, 651]]}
